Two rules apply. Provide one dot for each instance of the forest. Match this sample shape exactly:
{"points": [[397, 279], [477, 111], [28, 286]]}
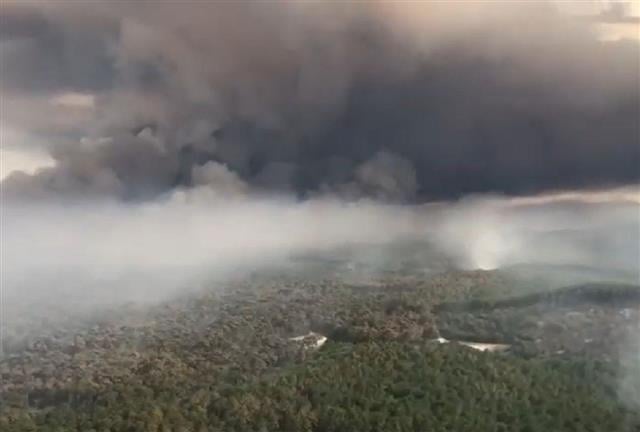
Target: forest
{"points": [[230, 359]]}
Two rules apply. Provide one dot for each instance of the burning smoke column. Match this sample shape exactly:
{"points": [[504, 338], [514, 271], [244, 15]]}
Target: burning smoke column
{"points": [[477, 233]]}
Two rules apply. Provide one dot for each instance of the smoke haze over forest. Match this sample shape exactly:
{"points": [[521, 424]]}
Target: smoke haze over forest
{"points": [[188, 187]]}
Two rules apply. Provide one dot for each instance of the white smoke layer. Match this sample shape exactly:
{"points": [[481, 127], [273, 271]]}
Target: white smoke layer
{"points": [[48, 248], [117, 252]]}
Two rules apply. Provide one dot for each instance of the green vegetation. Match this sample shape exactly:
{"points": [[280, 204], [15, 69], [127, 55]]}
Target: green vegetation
{"points": [[590, 320], [620, 295], [366, 387], [225, 362]]}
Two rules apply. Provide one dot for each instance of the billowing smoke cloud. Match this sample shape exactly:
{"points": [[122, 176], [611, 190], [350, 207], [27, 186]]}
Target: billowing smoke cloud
{"points": [[400, 101]]}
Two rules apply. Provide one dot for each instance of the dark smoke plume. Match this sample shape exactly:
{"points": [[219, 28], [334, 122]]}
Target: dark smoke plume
{"points": [[393, 100]]}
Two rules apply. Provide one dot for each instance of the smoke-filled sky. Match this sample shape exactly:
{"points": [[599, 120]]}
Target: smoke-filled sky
{"points": [[400, 101]]}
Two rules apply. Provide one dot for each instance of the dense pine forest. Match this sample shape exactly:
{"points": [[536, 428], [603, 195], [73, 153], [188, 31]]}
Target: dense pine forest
{"points": [[394, 359]]}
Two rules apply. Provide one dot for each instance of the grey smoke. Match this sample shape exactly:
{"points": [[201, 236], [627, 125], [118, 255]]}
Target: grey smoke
{"points": [[389, 100]]}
